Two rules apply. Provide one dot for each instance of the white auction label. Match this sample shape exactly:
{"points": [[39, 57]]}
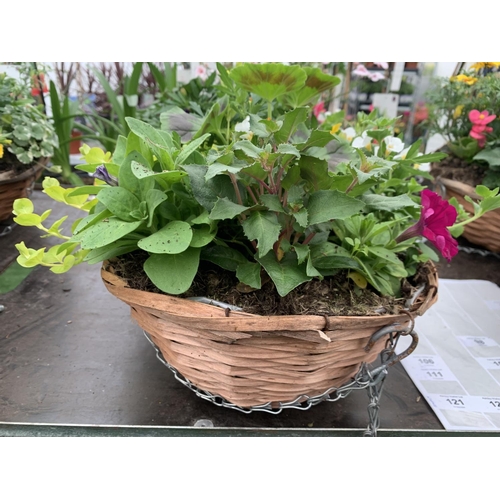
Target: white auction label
{"points": [[470, 341], [491, 404], [489, 363], [429, 367], [454, 402]]}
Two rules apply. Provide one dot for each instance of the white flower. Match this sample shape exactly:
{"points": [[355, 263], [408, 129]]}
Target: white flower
{"points": [[201, 72], [393, 145], [375, 77], [243, 126], [425, 167], [402, 155], [362, 142], [361, 71], [349, 133]]}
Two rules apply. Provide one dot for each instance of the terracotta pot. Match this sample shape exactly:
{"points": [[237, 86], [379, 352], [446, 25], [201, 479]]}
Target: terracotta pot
{"points": [[253, 360], [74, 146]]}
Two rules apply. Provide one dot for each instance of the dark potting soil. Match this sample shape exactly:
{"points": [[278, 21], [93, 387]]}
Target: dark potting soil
{"points": [[456, 169], [10, 166], [335, 295]]}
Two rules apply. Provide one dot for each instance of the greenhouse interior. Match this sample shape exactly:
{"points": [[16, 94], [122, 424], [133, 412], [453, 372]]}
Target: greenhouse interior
{"points": [[206, 248]]}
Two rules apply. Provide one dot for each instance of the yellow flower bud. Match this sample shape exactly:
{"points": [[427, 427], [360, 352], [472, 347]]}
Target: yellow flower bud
{"points": [[458, 111], [335, 128]]}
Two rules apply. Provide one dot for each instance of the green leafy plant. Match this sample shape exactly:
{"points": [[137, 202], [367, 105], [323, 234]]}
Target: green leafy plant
{"points": [[195, 97], [264, 203], [64, 113], [451, 102], [27, 129], [107, 129]]}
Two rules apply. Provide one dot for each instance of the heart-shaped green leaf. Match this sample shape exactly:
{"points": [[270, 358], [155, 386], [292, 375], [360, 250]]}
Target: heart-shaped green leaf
{"points": [[285, 274], [173, 238], [173, 273], [316, 83], [269, 80]]}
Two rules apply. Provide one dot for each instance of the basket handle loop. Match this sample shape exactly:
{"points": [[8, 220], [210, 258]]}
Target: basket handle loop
{"points": [[391, 330]]}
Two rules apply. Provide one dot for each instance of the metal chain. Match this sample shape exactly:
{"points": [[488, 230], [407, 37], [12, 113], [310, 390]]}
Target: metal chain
{"points": [[374, 392], [364, 379]]}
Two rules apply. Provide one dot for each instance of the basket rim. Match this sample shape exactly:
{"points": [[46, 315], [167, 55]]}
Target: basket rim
{"points": [[459, 187], [32, 171], [215, 317]]}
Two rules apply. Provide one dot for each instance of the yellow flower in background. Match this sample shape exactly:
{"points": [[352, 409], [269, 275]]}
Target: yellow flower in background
{"points": [[477, 66], [335, 128], [1, 150], [480, 65], [469, 80], [458, 111]]}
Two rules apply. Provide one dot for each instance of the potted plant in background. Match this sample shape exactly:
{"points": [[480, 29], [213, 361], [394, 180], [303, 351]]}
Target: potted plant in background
{"points": [[464, 110], [27, 141], [305, 261]]}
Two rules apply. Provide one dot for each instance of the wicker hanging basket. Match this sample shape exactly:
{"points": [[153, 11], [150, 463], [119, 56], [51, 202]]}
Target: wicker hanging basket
{"points": [[19, 186], [484, 231], [252, 360]]}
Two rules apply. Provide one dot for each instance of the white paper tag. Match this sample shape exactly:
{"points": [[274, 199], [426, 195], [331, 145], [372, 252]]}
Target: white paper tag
{"points": [[456, 402], [429, 367], [471, 341], [469, 403], [463, 329], [491, 404], [489, 363]]}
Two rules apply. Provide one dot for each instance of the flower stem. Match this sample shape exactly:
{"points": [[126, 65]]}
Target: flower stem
{"points": [[465, 222], [236, 188], [249, 189], [309, 238]]}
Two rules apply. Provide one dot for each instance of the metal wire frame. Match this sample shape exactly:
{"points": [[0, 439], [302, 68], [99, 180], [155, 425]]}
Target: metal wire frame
{"points": [[370, 380]]}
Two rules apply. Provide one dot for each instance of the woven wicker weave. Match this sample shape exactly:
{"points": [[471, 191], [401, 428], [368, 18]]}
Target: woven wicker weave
{"points": [[484, 231], [251, 360], [18, 187]]}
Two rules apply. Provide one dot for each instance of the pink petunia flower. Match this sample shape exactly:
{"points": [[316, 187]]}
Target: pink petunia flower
{"points": [[382, 65], [361, 71], [435, 218]]}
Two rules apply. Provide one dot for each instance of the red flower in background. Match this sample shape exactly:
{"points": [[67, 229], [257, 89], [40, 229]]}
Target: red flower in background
{"points": [[39, 83], [480, 120], [435, 218], [319, 108]]}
